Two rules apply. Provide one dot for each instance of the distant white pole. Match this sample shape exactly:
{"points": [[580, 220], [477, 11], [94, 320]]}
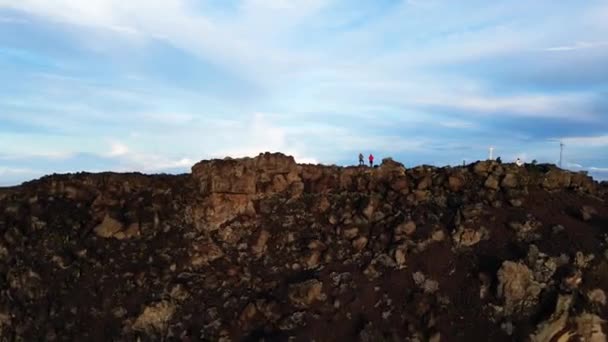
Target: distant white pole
{"points": [[561, 153], [491, 153]]}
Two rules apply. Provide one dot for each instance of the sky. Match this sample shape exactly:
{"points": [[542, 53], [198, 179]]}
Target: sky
{"points": [[155, 86]]}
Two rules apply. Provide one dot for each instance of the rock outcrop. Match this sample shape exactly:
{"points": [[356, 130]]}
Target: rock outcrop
{"points": [[267, 249]]}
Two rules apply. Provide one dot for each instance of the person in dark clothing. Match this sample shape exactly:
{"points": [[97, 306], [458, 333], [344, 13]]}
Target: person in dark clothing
{"points": [[361, 162], [371, 160]]}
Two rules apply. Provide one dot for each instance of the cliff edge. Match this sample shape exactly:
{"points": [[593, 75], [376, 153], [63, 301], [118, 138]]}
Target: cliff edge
{"points": [[267, 249]]}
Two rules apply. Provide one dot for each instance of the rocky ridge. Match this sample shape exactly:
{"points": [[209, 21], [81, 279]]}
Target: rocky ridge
{"points": [[266, 249]]}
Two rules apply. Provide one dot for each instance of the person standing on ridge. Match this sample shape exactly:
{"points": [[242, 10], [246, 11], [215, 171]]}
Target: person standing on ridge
{"points": [[371, 160], [361, 162], [518, 162]]}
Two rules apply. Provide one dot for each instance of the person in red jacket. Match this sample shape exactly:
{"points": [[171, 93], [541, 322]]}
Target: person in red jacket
{"points": [[371, 160]]}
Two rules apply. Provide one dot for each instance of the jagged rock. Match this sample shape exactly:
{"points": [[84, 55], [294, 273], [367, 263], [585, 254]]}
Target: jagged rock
{"points": [[430, 286], [131, 232], [248, 313], [482, 168], [405, 229], [492, 183], [422, 196], [518, 288], [295, 320], [510, 181], [229, 235], [558, 229], [155, 318], [541, 265], [587, 213], [467, 237], [218, 209], [555, 179], [470, 212], [553, 328], [401, 256], [313, 260], [456, 183], [179, 293], [581, 260], [527, 231], [562, 327], [425, 183], [204, 253], [304, 294], [590, 328], [360, 243], [108, 228], [427, 285], [438, 236], [260, 245], [350, 233], [268, 309], [419, 278], [516, 202], [597, 296], [371, 208]]}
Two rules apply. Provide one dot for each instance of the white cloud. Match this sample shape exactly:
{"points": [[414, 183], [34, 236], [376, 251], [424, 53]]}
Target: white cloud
{"points": [[594, 141], [118, 149], [261, 135], [458, 124], [577, 46], [10, 176], [254, 42], [8, 171], [573, 165]]}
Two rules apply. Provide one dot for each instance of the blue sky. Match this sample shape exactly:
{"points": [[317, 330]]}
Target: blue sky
{"points": [[155, 86]]}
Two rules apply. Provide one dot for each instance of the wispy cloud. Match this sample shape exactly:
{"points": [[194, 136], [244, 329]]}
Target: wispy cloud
{"points": [[578, 46], [595, 141], [12, 20], [161, 84]]}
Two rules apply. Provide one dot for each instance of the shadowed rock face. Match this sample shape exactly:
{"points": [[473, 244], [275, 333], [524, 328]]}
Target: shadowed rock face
{"points": [[264, 248]]}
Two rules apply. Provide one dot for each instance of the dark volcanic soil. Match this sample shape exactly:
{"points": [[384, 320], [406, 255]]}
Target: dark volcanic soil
{"points": [[265, 249]]}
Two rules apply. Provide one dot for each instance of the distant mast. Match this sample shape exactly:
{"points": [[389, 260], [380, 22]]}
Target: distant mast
{"points": [[561, 153], [491, 153]]}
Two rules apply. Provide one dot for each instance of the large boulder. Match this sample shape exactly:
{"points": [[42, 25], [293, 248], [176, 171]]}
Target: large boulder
{"points": [[492, 183], [563, 326], [510, 181], [266, 173], [582, 181], [482, 168], [556, 179], [517, 288], [456, 182], [230, 186]]}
